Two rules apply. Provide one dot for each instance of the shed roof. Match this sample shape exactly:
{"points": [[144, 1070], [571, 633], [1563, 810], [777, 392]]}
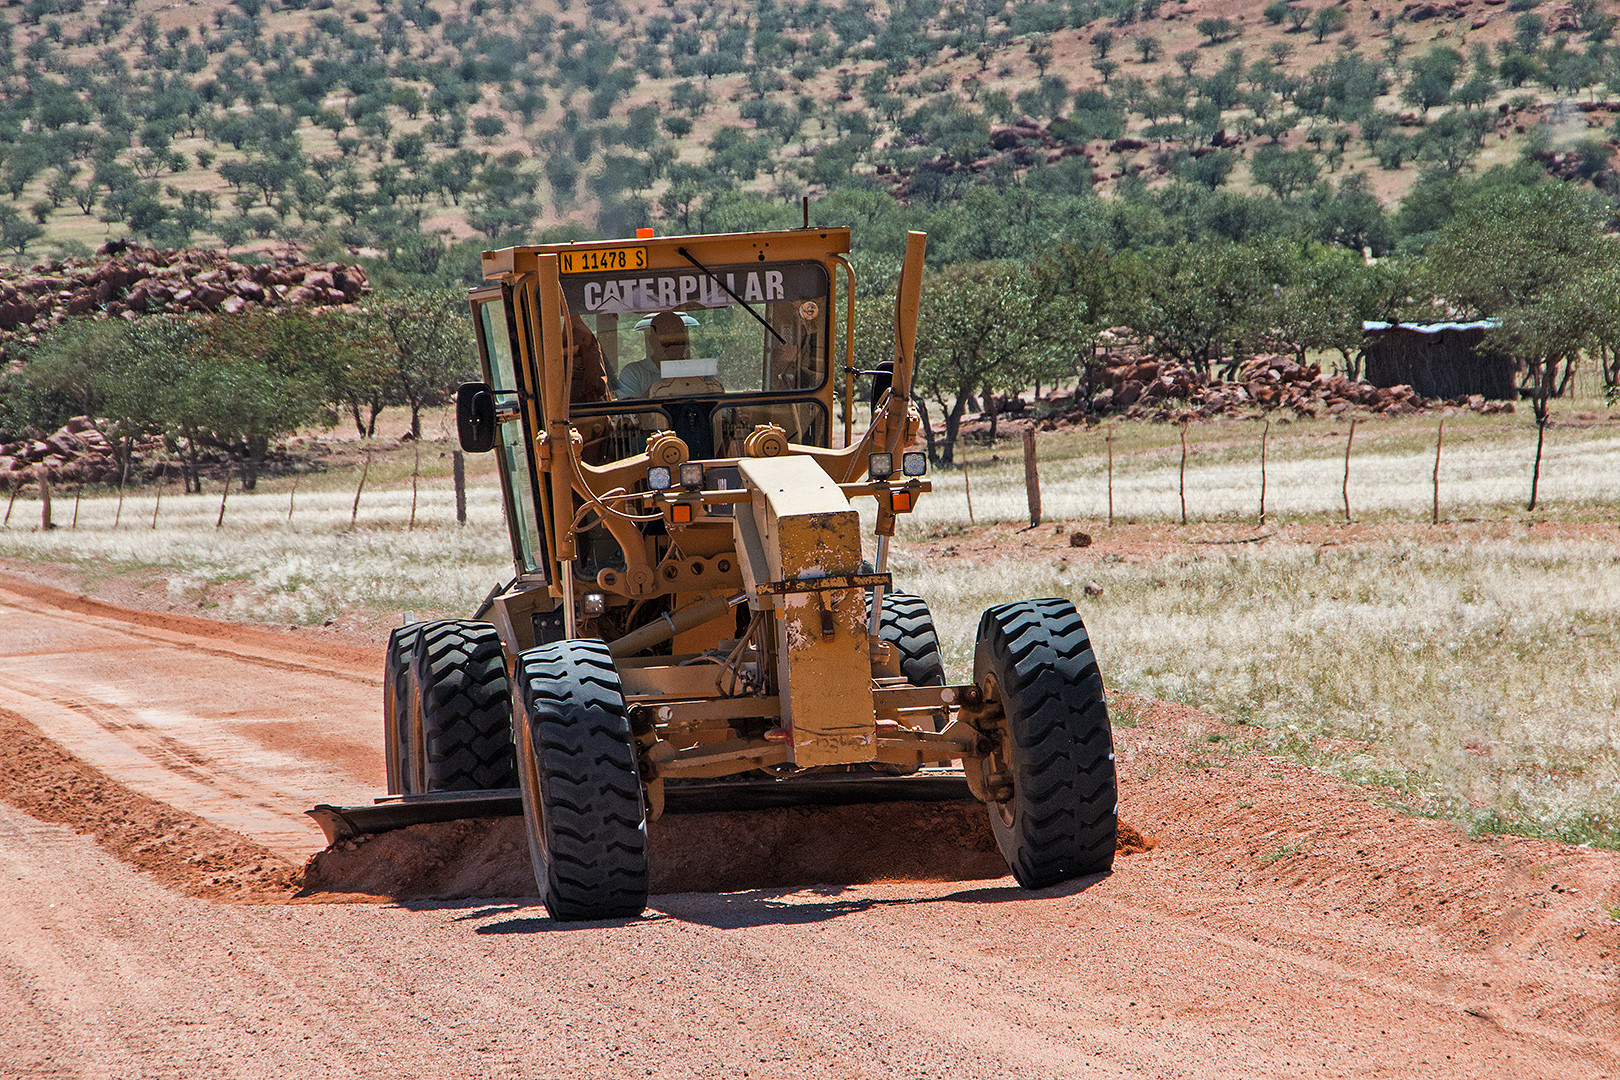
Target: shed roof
{"points": [[1432, 328]]}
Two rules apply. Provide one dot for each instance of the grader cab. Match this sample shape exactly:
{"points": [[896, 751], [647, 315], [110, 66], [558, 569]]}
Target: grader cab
{"points": [[693, 601]]}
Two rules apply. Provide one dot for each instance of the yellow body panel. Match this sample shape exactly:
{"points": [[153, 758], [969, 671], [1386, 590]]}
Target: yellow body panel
{"points": [[807, 530]]}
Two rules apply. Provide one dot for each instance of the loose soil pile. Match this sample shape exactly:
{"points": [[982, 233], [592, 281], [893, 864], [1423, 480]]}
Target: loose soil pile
{"points": [[709, 852], [181, 850]]}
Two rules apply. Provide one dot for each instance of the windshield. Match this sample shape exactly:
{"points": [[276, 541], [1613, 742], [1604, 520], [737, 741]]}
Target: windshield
{"points": [[756, 328]]}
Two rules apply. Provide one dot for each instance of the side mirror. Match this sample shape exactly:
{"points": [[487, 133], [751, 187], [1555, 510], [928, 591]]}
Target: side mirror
{"points": [[882, 380], [475, 417]]}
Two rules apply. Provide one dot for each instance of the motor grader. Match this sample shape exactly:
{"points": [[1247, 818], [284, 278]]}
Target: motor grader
{"points": [[693, 607]]}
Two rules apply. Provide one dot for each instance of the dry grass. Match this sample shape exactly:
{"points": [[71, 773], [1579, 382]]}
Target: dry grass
{"points": [[1479, 677]]}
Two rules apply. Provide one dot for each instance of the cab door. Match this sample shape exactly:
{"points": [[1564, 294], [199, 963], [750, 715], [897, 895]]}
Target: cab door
{"points": [[498, 352]]}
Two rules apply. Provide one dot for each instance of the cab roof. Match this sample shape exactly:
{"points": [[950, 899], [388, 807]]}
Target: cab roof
{"points": [[664, 252]]}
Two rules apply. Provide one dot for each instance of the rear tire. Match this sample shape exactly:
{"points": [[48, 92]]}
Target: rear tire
{"points": [[583, 806], [1061, 819], [397, 712], [909, 627], [460, 673]]}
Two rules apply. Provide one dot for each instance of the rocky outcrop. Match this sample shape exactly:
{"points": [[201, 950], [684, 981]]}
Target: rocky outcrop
{"points": [[127, 281]]}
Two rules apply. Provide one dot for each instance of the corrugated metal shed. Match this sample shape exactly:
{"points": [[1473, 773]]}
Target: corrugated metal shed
{"points": [[1438, 360]]}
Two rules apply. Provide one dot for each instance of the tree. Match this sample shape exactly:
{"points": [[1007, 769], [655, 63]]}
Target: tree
{"points": [[1328, 20], [1433, 76], [249, 380], [17, 232], [423, 337], [1528, 257], [976, 330], [1284, 171], [1216, 30], [1449, 143], [1313, 304], [1074, 288], [1194, 303]]}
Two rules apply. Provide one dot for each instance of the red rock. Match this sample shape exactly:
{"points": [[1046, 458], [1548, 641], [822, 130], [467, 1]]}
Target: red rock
{"points": [[209, 297]]}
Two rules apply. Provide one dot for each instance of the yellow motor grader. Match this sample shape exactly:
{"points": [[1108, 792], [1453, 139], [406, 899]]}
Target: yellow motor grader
{"points": [[693, 610]]}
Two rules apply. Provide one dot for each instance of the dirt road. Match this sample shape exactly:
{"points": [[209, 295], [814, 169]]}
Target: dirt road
{"points": [[1284, 926]]}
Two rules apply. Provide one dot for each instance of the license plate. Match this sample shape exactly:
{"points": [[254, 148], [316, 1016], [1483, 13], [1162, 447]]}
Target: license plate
{"points": [[600, 260]]}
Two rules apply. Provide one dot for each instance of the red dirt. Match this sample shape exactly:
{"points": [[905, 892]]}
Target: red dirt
{"points": [[1285, 924]]}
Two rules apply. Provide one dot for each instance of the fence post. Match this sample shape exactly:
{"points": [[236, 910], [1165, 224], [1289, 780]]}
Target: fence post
{"points": [[458, 467], [967, 487], [354, 515], [224, 493], [1032, 478], [416, 472], [1264, 436], [1184, 472], [1439, 438], [1348, 443], [45, 523], [123, 478], [1110, 441]]}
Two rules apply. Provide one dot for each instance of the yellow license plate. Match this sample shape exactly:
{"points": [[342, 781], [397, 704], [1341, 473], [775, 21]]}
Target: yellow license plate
{"points": [[603, 260]]}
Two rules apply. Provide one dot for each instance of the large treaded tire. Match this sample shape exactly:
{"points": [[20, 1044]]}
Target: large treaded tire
{"points": [[909, 627], [397, 719], [1062, 818], [459, 670], [583, 806]]}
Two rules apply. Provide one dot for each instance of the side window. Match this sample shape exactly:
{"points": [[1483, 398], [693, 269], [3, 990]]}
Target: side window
{"points": [[496, 344]]}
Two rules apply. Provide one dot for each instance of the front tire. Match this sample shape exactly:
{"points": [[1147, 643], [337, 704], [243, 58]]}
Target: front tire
{"points": [[1060, 819], [583, 807]]}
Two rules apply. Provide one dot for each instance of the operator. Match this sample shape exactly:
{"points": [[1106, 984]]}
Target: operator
{"points": [[589, 382], [666, 339]]}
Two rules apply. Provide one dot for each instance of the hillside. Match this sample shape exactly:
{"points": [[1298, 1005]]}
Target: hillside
{"points": [[404, 128]]}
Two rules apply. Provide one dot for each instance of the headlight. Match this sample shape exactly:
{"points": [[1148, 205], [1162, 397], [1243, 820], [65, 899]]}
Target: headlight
{"points": [[659, 478], [880, 465], [595, 603], [692, 474], [914, 463]]}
